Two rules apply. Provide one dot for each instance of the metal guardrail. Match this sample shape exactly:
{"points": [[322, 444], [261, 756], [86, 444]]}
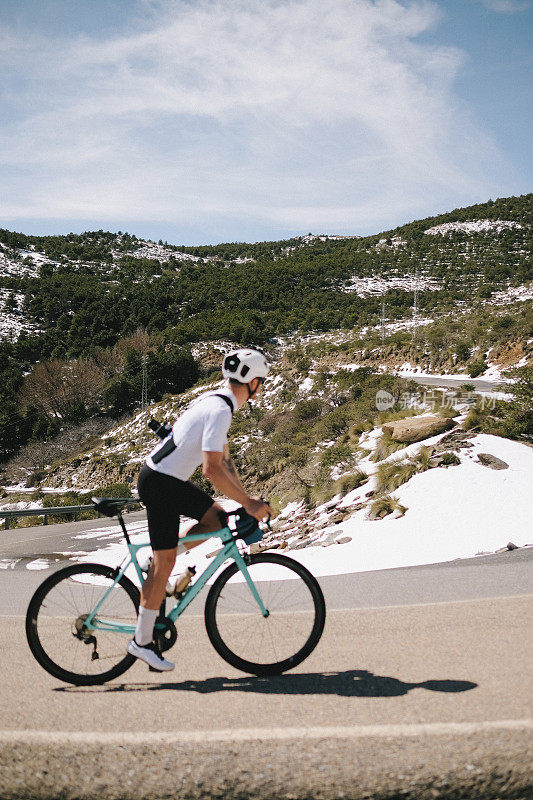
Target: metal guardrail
{"points": [[54, 511]]}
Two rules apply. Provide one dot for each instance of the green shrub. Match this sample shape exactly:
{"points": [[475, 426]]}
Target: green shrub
{"points": [[449, 459], [385, 447], [422, 459], [388, 504], [348, 483], [308, 409], [476, 368], [338, 454], [393, 474]]}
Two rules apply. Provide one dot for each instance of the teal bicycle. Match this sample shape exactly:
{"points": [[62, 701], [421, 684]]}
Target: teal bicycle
{"points": [[264, 613]]}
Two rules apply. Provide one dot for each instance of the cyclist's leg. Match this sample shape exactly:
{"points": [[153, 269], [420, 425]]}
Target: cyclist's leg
{"points": [[160, 495], [153, 589], [213, 520]]}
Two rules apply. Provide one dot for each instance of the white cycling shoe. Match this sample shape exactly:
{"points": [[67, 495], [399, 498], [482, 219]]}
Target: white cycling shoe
{"points": [[149, 655]]}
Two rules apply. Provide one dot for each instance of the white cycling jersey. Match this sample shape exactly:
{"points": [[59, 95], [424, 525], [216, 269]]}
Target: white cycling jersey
{"points": [[202, 427]]}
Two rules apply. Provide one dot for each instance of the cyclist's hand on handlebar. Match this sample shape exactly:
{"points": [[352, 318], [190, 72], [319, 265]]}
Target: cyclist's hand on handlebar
{"points": [[258, 508]]}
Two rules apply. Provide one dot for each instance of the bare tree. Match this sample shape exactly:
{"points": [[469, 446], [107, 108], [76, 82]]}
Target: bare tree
{"points": [[66, 390]]}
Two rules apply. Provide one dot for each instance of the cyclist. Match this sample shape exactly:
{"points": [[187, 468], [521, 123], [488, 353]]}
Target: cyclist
{"points": [[199, 436]]}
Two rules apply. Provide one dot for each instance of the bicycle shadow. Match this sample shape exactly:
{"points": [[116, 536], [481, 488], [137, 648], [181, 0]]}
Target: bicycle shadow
{"points": [[350, 683]]}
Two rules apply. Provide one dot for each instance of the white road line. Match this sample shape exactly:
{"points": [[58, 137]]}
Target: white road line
{"points": [[489, 598], [262, 734]]}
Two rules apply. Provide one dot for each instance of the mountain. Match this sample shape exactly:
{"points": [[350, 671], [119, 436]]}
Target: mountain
{"points": [[83, 313]]}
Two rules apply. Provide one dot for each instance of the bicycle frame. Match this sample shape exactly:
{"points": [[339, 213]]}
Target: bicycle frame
{"points": [[229, 550]]}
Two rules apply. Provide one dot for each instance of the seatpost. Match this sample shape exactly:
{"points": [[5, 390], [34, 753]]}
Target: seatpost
{"points": [[122, 525]]}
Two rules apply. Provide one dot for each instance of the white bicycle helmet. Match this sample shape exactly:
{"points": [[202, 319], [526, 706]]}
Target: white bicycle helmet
{"points": [[245, 365]]}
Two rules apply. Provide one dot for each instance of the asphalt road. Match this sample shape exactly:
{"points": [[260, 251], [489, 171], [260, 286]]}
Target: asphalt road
{"points": [[449, 382], [420, 687]]}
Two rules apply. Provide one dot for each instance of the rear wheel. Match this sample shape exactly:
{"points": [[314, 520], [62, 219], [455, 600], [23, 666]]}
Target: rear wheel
{"points": [[265, 645], [56, 631]]}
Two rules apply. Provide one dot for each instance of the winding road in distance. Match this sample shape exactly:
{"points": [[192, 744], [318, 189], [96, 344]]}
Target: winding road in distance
{"points": [[420, 686]]}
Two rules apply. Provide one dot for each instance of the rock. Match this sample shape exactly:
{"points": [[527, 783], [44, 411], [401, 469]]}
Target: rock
{"points": [[414, 429], [343, 539], [383, 512], [282, 545], [301, 545], [337, 518], [456, 440], [258, 547], [329, 539], [491, 461], [446, 459], [511, 546]]}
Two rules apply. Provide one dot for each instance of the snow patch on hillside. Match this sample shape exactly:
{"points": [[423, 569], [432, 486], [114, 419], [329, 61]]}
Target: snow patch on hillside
{"points": [[155, 252], [513, 295], [374, 286], [20, 262], [476, 226], [452, 513], [390, 244], [13, 321]]}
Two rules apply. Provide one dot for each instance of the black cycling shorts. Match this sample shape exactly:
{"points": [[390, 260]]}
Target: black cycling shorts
{"points": [[166, 499]]}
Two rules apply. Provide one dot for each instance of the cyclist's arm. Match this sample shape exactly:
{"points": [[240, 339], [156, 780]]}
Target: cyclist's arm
{"points": [[216, 471], [232, 469]]}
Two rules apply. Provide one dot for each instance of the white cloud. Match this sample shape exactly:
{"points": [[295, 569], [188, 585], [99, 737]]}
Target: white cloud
{"points": [[305, 114]]}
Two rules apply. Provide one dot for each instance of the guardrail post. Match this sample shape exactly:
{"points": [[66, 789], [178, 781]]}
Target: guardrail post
{"points": [[7, 524], [46, 519]]}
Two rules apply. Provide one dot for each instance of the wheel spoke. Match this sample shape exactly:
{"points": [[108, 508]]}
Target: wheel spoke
{"points": [[58, 639], [268, 645]]}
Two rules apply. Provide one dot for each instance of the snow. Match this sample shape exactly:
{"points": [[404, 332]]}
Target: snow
{"points": [[452, 513], [395, 242], [38, 564], [155, 252], [476, 226], [13, 322], [514, 294], [374, 286]]}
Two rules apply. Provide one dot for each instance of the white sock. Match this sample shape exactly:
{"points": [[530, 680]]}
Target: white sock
{"points": [[144, 632]]}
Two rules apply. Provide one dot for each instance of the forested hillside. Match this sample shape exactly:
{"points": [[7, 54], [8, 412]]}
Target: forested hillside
{"points": [[81, 312]]}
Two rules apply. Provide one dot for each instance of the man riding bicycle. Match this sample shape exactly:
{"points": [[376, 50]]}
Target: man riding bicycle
{"points": [[199, 436]]}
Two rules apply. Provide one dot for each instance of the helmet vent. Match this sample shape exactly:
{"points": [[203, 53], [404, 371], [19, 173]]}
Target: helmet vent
{"points": [[231, 363]]}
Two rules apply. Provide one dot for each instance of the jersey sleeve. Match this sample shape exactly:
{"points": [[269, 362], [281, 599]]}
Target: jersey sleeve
{"points": [[215, 432]]}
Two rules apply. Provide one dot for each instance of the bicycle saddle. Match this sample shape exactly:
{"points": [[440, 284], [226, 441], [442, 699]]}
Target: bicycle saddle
{"points": [[109, 506]]}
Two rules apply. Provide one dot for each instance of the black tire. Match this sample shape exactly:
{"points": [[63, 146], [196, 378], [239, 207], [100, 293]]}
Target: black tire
{"points": [[54, 624], [233, 618]]}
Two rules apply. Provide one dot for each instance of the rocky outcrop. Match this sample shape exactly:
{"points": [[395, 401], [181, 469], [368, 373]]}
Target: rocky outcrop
{"points": [[491, 461], [415, 429]]}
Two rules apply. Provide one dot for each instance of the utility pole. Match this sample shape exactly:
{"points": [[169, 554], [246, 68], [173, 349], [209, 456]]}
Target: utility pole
{"points": [[144, 397], [415, 306]]}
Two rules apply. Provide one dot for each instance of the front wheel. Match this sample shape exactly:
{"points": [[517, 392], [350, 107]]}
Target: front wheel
{"points": [[265, 645], [59, 638]]}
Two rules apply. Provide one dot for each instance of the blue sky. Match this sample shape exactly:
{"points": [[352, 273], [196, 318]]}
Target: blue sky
{"points": [[200, 121]]}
